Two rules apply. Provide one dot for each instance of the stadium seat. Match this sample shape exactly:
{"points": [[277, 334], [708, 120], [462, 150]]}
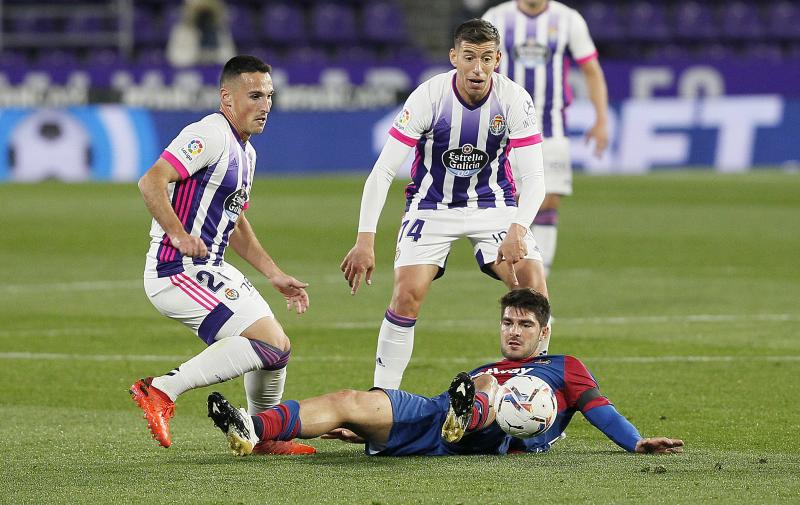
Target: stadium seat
{"points": [[695, 21], [383, 23], [283, 23], [604, 21], [648, 21], [147, 27], [783, 20], [240, 21], [333, 23], [741, 21]]}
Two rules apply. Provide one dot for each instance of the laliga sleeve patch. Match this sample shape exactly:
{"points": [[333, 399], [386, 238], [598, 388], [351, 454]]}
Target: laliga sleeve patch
{"points": [[402, 119], [193, 149]]}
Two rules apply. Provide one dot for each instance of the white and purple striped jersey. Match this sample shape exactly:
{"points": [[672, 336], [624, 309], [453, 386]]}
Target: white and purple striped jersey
{"points": [[216, 170], [461, 154], [535, 55]]}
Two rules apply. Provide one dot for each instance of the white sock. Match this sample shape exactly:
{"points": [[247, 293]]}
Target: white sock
{"points": [[264, 389], [545, 232], [221, 361], [395, 344], [545, 344]]}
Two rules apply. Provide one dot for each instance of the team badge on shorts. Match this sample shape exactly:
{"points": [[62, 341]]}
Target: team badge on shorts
{"points": [[231, 294], [497, 125]]}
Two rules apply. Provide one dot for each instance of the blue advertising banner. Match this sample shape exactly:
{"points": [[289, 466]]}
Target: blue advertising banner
{"points": [[117, 143]]}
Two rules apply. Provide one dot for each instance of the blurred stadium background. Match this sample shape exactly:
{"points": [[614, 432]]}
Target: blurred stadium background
{"points": [[96, 88]]}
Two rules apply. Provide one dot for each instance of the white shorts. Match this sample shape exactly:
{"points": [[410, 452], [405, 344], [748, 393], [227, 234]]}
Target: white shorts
{"points": [[425, 236], [215, 302], [557, 166]]}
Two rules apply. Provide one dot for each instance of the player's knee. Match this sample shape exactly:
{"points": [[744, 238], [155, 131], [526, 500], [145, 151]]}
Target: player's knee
{"points": [[551, 201], [347, 399], [406, 303]]}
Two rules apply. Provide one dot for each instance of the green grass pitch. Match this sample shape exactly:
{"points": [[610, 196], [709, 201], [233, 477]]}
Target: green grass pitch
{"points": [[680, 291]]}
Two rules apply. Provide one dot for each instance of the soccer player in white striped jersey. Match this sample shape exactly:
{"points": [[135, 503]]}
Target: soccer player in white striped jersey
{"points": [[538, 37], [197, 193], [477, 173]]}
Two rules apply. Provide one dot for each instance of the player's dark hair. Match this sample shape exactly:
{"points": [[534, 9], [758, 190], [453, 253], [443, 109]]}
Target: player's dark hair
{"points": [[242, 64], [527, 299], [476, 31]]}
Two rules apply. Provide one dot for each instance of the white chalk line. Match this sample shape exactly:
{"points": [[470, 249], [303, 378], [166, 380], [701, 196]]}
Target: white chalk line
{"points": [[48, 356]]}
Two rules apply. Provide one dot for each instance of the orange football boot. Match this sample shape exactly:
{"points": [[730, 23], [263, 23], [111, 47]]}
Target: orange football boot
{"points": [[157, 406], [279, 447]]}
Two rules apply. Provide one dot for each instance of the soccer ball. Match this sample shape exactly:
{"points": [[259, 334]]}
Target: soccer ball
{"points": [[525, 406]]}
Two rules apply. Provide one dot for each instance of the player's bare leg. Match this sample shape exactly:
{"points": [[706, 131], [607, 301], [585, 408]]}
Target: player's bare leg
{"points": [[470, 405], [366, 413], [396, 336]]}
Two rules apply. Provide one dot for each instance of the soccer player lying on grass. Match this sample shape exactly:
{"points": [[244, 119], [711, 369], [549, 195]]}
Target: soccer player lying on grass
{"points": [[459, 421]]}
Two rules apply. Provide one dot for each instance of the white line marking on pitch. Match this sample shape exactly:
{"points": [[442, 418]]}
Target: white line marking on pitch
{"points": [[48, 356], [450, 323]]}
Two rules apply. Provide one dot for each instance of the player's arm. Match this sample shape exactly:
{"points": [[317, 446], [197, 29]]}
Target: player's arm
{"points": [[527, 167], [583, 393], [153, 186], [246, 244], [598, 95], [360, 260]]}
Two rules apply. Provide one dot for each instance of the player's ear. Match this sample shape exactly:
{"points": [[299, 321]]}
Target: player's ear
{"points": [[544, 333], [453, 56], [497, 63], [225, 97]]}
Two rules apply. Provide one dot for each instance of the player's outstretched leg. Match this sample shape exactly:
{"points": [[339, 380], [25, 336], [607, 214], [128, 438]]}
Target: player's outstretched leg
{"points": [[462, 399], [236, 424], [157, 406]]}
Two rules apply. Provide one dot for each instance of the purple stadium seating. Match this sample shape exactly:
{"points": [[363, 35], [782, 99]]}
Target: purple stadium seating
{"points": [[648, 21], [783, 20], [383, 22], [240, 21], [741, 21], [283, 23], [695, 20], [604, 21], [147, 28], [333, 23]]}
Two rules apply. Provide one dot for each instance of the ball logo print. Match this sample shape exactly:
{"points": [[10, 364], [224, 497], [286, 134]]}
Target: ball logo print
{"points": [[525, 406]]}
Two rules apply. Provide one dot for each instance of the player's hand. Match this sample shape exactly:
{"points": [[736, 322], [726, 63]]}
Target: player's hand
{"points": [[344, 435], [599, 134], [512, 249], [293, 291], [358, 263], [190, 245], [659, 445]]}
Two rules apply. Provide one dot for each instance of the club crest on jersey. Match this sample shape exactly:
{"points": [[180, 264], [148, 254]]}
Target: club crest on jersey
{"points": [[235, 203], [497, 125], [531, 53], [231, 294], [192, 149], [464, 161], [402, 119]]}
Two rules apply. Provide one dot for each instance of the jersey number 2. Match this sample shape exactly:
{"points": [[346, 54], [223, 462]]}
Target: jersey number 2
{"points": [[208, 278]]}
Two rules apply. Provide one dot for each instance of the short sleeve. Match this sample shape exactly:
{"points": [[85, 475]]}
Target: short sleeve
{"points": [[523, 127], [415, 119], [196, 147], [580, 42]]}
